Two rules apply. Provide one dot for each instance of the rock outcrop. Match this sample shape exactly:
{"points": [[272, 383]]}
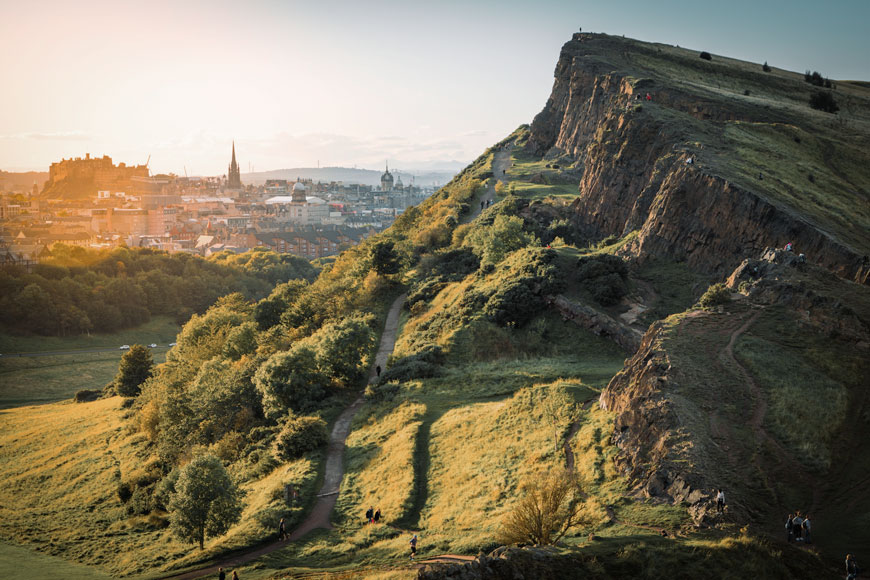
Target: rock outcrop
{"points": [[634, 170]]}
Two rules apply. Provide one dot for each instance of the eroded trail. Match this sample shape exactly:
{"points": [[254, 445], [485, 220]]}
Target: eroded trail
{"points": [[783, 457], [501, 162], [334, 471]]}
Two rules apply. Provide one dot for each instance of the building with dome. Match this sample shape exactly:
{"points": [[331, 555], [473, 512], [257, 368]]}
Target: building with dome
{"points": [[387, 179], [298, 208]]}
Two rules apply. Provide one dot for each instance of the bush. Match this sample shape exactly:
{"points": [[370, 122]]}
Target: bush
{"points": [[299, 435], [548, 509], [824, 101], [715, 295], [124, 492], [423, 364], [381, 392], [605, 277], [87, 395], [817, 79], [765, 67], [706, 55]]}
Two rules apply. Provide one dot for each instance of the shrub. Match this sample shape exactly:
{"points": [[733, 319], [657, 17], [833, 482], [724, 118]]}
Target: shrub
{"points": [[124, 492], [381, 392], [605, 277], [765, 67], [816, 79], [706, 55], [299, 435], [135, 367], [87, 395], [421, 365], [140, 502], [547, 510], [715, 295], [824, 101]]}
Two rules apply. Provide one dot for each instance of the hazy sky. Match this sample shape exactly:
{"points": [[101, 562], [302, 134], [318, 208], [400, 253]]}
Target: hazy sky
{"points": [[344, 82]]}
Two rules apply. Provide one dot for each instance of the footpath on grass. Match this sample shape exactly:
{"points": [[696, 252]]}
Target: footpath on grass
{"points": [[334, 472], [501, 162]]}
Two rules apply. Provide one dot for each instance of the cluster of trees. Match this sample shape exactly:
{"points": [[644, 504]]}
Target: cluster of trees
{"points": [[243, 388], [78, 290]]}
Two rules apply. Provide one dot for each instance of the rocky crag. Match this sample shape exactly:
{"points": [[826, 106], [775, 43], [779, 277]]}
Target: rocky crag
{"points": [[626, 117]]}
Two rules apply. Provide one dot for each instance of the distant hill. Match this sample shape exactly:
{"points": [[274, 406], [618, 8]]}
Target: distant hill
{"points": [[22, 182], [351, 175]]}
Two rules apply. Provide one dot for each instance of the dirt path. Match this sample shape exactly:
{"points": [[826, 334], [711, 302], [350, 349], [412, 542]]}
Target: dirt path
{"points": [[756, 421], [334, 471], [501, 162]]}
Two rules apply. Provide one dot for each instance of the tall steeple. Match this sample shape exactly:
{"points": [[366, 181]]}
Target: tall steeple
{"points": [[234, 176]]}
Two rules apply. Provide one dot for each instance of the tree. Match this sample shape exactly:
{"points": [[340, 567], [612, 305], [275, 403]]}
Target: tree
{"points": [[290, 380], [343, 348], [824, 101], [492, 244], [135, 368], [205, 502], [385, 260], [549, 508]]}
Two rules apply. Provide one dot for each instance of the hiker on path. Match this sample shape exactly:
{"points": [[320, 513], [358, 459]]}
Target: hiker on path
{"points": [[221, 574], [378, 515], [852, 569], [235, 575], [796, 524], [413, 543], [720, 502], [789, 533], [482, 203], [282, 533], [806, 529], [370, 514], [378, 370]]}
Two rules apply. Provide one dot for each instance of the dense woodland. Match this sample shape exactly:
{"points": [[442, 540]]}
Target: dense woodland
{"points": [[78, 290]]}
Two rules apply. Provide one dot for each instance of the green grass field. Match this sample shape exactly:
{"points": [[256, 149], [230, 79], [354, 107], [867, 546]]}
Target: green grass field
{"points": [[16, 562], [44, 379]]}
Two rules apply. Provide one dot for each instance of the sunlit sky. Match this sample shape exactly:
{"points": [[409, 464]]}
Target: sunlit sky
{"points": [[348, 83]]}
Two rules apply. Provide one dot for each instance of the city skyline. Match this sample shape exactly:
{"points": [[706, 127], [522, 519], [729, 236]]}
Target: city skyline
{"points": [[342, 84]]}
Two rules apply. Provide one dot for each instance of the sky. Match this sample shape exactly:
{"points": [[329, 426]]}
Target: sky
{"points": [[344, 83]]}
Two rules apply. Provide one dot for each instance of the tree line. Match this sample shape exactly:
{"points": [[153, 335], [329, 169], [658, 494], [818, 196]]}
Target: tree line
{"points": [[75, 290]]}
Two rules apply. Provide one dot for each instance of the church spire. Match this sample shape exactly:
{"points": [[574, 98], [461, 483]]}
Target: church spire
{"points": [[234, 176]]}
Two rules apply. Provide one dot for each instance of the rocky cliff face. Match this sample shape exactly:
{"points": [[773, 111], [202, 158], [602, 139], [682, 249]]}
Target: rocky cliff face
{"points": [[690, 417], [634, 170]]}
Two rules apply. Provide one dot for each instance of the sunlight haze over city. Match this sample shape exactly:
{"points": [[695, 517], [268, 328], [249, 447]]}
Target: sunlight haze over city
{"points": [[423, 85]]}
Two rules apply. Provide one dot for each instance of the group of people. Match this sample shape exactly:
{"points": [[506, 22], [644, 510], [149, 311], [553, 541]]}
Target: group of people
{"points": [[798, 528], [373, 516], [223, 575], [484, 203]]}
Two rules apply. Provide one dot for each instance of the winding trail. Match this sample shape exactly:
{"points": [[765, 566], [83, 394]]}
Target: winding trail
{"points": [[756, 422], [501, 162], [334, 471]]}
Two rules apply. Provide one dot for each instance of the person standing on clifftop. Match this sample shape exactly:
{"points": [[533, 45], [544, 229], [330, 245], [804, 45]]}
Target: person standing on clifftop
{"points": [[720, 502]]}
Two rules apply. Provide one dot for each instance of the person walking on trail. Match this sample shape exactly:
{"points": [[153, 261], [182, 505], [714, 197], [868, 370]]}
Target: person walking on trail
{"points": [[789, 533], [378, 371], [852, 569], [282, 532], [482, 203], [720, 502], [378, 515], [413, 543], [807, 526], [370, 513], [221, 574], [235, 575], [796, 524]]}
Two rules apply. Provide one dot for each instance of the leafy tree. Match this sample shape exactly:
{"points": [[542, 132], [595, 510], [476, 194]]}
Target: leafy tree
{"points": [[548, 509], [299, 435], [385, 259], [205, 502], [343, 349], [824, 101], [290, 380], [492, 244], [135, 368]]}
